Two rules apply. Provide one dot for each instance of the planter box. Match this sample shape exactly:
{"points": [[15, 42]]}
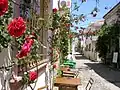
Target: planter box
{"points": [[15, 85]]}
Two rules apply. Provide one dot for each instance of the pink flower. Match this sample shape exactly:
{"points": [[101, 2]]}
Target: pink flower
{"points": [[33, 75], [25, 48], [24, 51], [29, 40], [17, 27], [3, 6]]}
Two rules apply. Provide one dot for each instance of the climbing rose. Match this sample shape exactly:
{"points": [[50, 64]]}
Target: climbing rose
{"points": [[24, 51], [29, 40], [3, 6], [55, 10], [17, 27], [33, 75], [54, 66], [25, 48]]}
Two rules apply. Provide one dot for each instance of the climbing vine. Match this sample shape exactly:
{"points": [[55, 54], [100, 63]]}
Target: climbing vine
{"points": [[5, 38]]}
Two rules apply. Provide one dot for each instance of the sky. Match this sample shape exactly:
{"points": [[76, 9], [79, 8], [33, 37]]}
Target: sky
{"points": [[88, 6]]}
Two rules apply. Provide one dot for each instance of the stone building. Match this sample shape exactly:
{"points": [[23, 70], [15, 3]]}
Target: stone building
{"points": [[113, 15]]}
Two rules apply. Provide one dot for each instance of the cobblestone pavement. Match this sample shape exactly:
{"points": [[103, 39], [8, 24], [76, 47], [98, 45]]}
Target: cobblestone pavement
{"points": [[104, 77]]}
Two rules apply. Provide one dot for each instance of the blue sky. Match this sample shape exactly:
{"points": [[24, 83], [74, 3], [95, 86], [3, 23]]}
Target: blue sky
{"points": [[88, 6]]}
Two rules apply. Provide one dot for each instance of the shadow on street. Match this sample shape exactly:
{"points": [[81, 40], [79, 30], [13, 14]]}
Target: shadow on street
{"points": [[80, 57], [106, 73]]}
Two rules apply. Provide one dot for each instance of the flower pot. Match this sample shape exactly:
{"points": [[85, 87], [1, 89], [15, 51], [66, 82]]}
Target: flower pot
{"points": [[14, 85]]}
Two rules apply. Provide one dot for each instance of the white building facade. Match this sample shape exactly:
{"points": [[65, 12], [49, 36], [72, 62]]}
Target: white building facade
{"points": [[89, 41]]}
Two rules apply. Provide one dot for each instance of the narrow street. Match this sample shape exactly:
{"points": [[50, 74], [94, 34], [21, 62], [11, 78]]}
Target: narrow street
{"points": [[104, 77]]}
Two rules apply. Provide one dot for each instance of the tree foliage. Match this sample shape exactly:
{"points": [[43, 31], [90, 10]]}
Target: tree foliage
{"points": [[108, 37]]}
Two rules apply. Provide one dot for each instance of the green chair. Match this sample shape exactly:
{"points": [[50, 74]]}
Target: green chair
{"points": [[71, 65]]}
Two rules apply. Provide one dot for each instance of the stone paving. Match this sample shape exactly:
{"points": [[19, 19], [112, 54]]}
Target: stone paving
{"points": [[104, 77]]}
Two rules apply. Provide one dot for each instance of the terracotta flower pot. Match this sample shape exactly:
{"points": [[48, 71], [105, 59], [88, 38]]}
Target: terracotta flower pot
{"points": [[14, 85]]}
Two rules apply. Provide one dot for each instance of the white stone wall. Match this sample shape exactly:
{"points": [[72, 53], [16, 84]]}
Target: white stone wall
{"points": [[41, 81], [91, 54], [112, 19], [5, 59]]}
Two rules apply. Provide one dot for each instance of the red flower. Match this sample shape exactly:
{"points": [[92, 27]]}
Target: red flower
{"points": [[3, 6], [17, 27], [55, 10], [33, 75], [29, 40], [76, 27], [34, 35], [54, 66], [72, 26]]}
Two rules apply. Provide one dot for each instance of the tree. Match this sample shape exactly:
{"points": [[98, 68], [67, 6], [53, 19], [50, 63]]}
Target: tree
{"points": [[108, 40]]}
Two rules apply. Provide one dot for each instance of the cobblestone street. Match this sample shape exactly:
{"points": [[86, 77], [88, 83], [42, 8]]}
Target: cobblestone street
{"points": [[104, 77]]}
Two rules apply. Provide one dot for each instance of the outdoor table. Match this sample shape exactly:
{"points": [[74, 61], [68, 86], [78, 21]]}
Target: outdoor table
{"points": [[68, 75], [69, 72], [64, 69], [67, 83]]}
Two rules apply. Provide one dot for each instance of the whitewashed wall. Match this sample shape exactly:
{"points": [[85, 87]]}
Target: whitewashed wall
{"points": [[5, 59], [92, 54]]}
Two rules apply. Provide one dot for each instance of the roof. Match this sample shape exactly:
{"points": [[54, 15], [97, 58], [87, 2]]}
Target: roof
{"points": [[94, 26], [112, 9]]}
